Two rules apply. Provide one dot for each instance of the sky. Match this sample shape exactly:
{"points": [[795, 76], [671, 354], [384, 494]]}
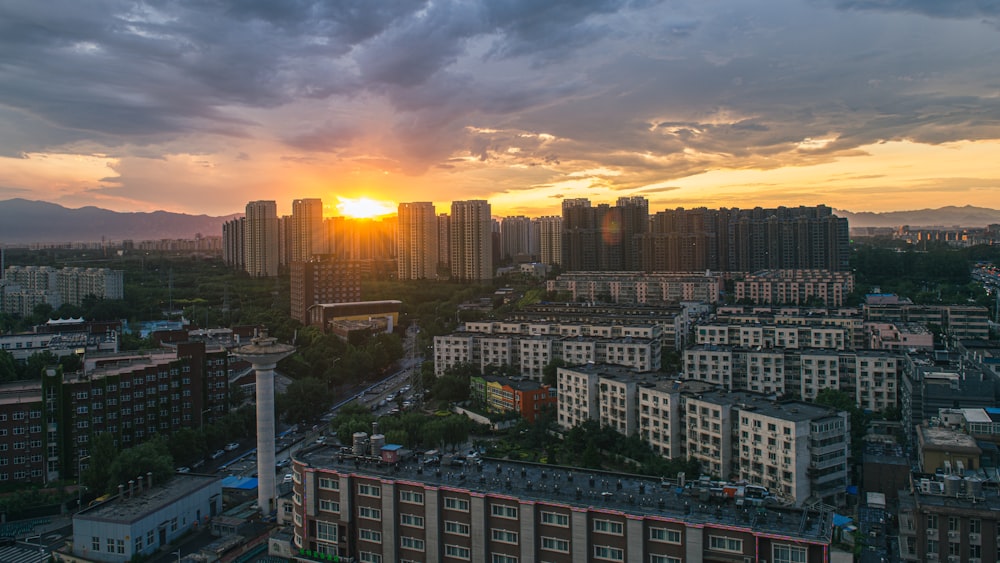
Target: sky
{"points": [[199, 107]]}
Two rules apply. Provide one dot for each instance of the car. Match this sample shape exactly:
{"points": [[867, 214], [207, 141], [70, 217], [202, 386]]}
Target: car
{"points": [[287, 479], [232, 446], [218, 453], [197, 464], [184, 469]]}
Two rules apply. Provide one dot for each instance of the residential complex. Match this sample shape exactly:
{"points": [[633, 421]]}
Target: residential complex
{"points": [[24, 287]]}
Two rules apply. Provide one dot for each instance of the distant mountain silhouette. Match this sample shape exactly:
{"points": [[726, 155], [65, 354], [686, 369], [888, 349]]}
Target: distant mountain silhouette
{"points": [[951, 216], [23, 221]]}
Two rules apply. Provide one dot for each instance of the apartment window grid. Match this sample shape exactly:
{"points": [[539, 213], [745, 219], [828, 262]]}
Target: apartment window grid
{"points": [[457, 528], [608, 553]]}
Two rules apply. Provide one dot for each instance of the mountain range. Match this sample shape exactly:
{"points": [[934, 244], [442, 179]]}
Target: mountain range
{"points": [[951, 216], [23, 221]]}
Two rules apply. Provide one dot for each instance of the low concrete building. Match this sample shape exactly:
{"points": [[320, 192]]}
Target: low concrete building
{"points": [[142, 519]]}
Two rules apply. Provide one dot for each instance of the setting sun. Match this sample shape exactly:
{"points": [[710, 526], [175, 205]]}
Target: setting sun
{"points": [[363, 207]]}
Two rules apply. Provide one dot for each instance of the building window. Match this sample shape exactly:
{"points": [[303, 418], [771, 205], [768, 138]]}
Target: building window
{"points": [[416, 544], [111, 545], [373, 536], [411, 520], [329, 484], [326, 531], [457, 528], [411, 496], [609, 553], [95, 543], [504, 536], [504, 511], [370, 513], [555, 519], [369, 490], [975, 526], [785, 553], [663, 559], [665, 535], [121, 546], [500, 558], [369, 557], [329, 505], [456, 504], [722, 543], [457, 551], [608, 527], [555, 544]]}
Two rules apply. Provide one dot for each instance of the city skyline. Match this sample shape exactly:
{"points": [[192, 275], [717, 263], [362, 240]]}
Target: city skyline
{"points": [[862, 106]]}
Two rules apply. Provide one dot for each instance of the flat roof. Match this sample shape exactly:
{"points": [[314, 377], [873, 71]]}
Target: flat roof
{"points": [[946, 439], [148, 501], [583, 488]]}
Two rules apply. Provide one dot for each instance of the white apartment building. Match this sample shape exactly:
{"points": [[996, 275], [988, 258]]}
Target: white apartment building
{"points": [[660, 416], [721, 333], [577, 388], [871, 376], [24, 287], [708, 434], [531, 346]]}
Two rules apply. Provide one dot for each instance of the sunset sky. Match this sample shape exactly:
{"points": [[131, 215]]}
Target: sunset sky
{"points": [[199, 107]]}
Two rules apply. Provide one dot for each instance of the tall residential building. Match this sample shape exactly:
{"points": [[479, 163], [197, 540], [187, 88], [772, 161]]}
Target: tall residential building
{"points": [[604, 238], [550, 240], [233, 237], [471, 241], [417, 251], [261, 239], [27, 286], [308, 234], [746, 240], [444, 242], [515, 238]]}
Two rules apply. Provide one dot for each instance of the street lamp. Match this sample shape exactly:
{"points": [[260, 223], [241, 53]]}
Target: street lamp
{"points": [[79, 481]]}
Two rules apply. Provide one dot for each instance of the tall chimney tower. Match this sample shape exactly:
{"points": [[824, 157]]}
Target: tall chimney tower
{"points": [[264, 353]]}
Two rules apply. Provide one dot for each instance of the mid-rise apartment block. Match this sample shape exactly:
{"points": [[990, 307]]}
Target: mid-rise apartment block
{"points": [[796, 450], [132, 396], [637, 287], [796, 287], [532, 346], [319, 281], [349, 505], [872, 377]]}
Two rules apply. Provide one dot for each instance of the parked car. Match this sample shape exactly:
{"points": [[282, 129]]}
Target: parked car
{"points": [[232, 446], [218, 453], [184, 469]]}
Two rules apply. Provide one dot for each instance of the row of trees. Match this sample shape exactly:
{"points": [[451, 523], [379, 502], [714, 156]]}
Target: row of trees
{"points": [[416, 431]]}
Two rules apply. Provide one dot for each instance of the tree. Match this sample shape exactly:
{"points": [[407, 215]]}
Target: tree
{"points": [[152, 456], [8, 369], [305, 401], [102, 454]]}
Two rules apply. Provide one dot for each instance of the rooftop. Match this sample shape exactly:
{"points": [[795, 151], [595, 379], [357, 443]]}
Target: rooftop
{"points": [[939, 438], [568, 486], [126, 509]]}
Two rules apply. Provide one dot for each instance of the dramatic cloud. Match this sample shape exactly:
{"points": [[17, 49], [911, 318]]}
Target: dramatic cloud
{"points": [[199, 107]]}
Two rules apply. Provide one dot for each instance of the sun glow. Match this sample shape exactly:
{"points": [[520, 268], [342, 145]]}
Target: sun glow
{"points": [[363, 207]]}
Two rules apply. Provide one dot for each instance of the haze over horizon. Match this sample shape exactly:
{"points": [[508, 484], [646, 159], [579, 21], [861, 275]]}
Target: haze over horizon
{"points": [[856, 104]]}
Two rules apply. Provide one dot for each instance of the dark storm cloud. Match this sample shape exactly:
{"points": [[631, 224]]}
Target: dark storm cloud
{"points": [[657, 89]]}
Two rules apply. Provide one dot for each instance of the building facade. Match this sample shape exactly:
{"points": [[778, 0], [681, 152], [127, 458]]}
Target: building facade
{"points": [[417, 256], [260, 239], [322, 281], [471, 241]]}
